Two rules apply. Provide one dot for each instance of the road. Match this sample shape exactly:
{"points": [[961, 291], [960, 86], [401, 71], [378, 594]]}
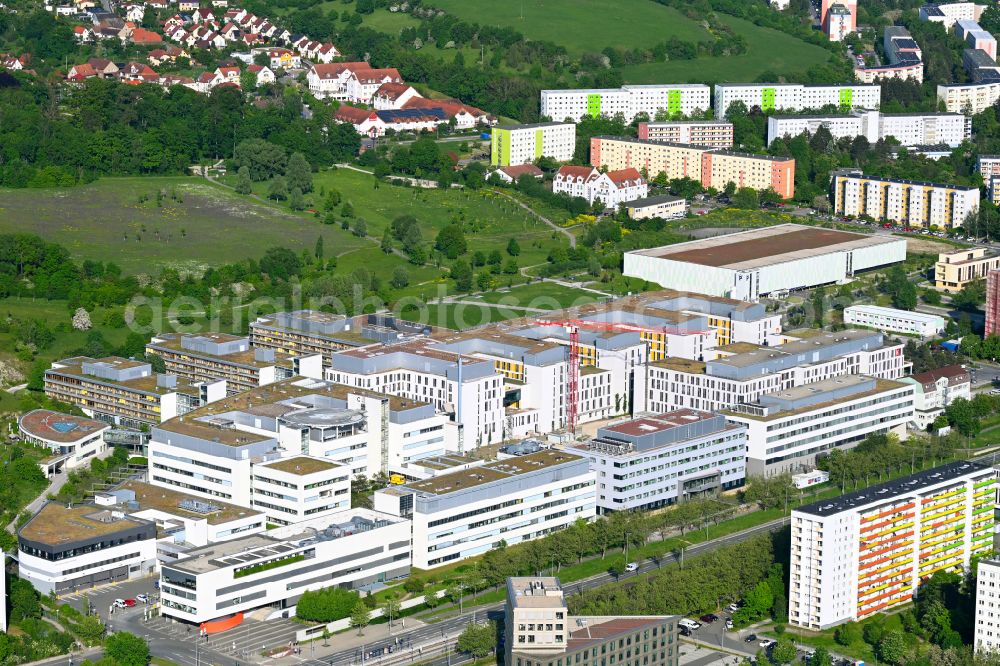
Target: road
{"points": [[452, 626]]}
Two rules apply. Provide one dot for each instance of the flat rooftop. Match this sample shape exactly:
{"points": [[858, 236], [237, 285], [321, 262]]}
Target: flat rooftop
{"points": [[446, 461], [186, 425], [73, 367], [650, 424], [59, 427], [842, 383], [158, 498], [893, 312], [885, 492], [596, 630], [57, 523], [491, 472], [762, 247], [535, 592], [302, 465], [173, 342]]}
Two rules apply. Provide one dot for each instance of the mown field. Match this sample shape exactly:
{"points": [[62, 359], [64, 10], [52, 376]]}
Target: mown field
{"points": [[581, 25], [204, 225], [768, 50]]}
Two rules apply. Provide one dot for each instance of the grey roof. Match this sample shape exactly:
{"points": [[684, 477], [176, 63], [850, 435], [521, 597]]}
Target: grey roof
{"points": [[652, 201]]}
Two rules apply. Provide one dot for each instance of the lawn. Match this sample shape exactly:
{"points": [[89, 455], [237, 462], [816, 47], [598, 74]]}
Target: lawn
{"points": [[490, 221], [581, 25], [204, 225], [543, 295], [767, 50]]}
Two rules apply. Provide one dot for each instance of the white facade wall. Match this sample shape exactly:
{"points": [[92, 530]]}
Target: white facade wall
{"points": [[790, 443], [910, 129], [655, 476], [629, 101], [987, 634], [193, 595], [794, 96], [197, 474], [893, 320], [968, 98], [450, 535], [288, 497]]}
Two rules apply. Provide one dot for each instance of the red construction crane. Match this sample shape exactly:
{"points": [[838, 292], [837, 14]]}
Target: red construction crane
{"points": [[573, 326]]}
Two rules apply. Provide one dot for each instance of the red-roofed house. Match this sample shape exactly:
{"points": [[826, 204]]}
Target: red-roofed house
{"points": [[78, 73], [83, 35], [365, 122], [264, 74], [575, 181], [104, 68], [228, 74], [393, 96], [327, 52], [465, 116], [137, 72], [362, 84], [142, 36]]}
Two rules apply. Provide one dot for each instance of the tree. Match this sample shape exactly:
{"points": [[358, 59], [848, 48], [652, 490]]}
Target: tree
{"points": [[760, 599], [360, 616], [359, 227], [391, 608], [295, 199], [746, 197], [280, 263], [262, 158], [478, 640], [298, 173], [784, 651], [125, 649], [400, 277], [278, 189], [81, 320], [243, 184], [847, 634], [892, 647], [326, 605], [318, 251], [90, 629], [484, 281], [513, 248], [248, 80], [387, 241], [461, 273], [451, 241], [821, 657]]}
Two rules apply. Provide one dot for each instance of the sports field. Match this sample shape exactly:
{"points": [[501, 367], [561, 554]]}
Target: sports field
{"points": [[767, 50], [581, 25]]}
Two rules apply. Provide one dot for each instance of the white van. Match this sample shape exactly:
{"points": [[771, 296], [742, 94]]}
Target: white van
{"points": [[690, 624]]}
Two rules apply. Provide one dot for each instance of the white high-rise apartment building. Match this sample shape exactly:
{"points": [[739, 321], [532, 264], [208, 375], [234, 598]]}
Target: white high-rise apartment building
{"points": [[987, 634], [910, 129], [867, 551], [795, 96], [676, 99], [905, 202]]}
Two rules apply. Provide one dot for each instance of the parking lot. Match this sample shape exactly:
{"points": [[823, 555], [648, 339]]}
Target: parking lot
{"points": [[101, 598]]}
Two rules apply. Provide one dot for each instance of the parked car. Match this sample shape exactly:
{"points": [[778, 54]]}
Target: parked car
{"points": [[767, 643], [129, 603], [632, 566], [750, 639], [690, 624], [118, 603], [685, 631], [708, 618], [729, 624], [142, 598], [732, 608]]}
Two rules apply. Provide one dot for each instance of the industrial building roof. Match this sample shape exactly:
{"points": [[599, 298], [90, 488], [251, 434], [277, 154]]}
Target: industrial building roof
{"points": [[82, 367], [811, 397], [762, 247], [888, 491], [159, 498]]}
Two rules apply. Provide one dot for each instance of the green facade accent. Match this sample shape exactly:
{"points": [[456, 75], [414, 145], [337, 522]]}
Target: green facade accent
{"points": [[594, 105], [847, 98], [767, 99], [538, 143], [500, 147], [674, 102]]}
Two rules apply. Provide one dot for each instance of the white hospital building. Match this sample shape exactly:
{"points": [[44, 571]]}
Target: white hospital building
{"points": [[466, 513], [788, 429], [659, 459], [910, 129], [893, 320]]}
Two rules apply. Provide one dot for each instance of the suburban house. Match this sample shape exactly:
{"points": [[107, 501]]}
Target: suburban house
{"points": [[362, 84], [393, 96], [510, 174], [264, 74]]}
